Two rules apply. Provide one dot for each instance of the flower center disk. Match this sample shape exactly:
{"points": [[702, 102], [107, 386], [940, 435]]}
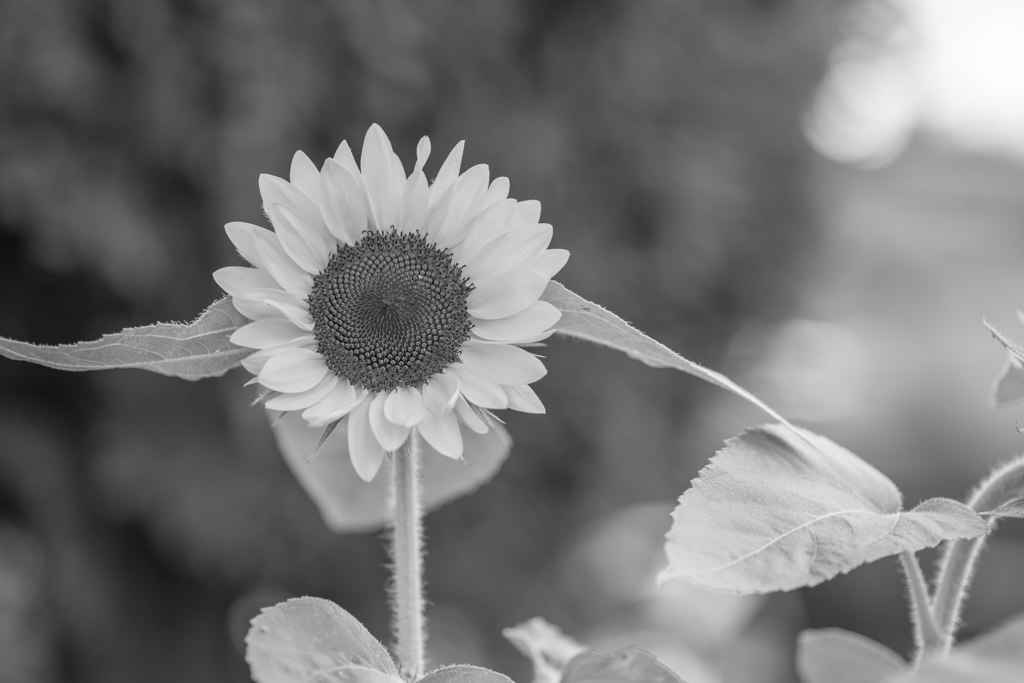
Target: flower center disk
{"points": [[390, 311]]}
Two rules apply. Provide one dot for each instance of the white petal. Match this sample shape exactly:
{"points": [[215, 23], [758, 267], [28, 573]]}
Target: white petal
{"points": [[383, 174], [502, 363], [422, 153], [524, 399], [304, 175], [469, 417], [525, 326], [239, 279], [479, 390], [293, 370], [520, 248], [488, 227], [343, 201], [299, 239], [276, 190], [343, 156], [254, 362], [449, 223], [267, 333], [412, 214], [440, 393], [389, 435], [505, 294], [497, 192], [551, 261], [366, 453], [304, 399], [285, 271], [443, 434], [448, 173], [242, 235], [405, 407], [528, 211], [266, 303], [342, 400]]}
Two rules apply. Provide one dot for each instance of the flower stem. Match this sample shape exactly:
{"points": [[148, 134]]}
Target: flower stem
{"points": [[927, 634], [956, 567], [407, 554]]}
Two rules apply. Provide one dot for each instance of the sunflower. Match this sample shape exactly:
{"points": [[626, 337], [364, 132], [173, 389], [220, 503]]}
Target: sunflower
{"points": [[391, 302]]}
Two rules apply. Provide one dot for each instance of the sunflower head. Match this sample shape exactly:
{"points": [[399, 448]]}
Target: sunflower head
{"points": [[392, 303]]}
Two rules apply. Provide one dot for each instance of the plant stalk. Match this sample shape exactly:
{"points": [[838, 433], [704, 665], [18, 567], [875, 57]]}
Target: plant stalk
{"points": [[928, 637], [956, 568], [408, 601]]}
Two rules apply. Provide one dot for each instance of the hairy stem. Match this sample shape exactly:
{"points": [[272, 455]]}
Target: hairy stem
{"points": [[407, 555], [956, 568], [927, 634]]}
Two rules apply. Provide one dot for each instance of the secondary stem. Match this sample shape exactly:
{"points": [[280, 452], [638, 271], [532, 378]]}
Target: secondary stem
{"points": [[407, 554], [957, 565], [927, 634]]}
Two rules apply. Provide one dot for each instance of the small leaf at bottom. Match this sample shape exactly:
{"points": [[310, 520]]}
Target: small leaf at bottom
{"points": [[628, 665], [994, 657], [463, 673], [832, 655], [311, 640]]}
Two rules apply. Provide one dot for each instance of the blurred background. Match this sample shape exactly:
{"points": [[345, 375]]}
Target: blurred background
{"points": [[821, 199]]}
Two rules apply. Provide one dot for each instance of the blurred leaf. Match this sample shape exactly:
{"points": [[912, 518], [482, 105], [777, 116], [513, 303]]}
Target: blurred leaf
{"points": [[349, 504], [547, 647], [464, 673], [995, 657], [1008, 387], [1015, 508], [193, 351], [583, 319], [628, 665], [832, 655], [776, 510], [308, 640]]}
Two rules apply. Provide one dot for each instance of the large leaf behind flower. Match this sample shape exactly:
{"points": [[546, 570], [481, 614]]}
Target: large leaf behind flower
{"points": [[778, 509], [586, 320], [190, 351], [348, 504]]}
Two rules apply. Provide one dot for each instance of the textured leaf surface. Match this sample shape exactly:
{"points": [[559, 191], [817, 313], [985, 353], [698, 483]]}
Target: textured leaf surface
{"points": [[1008, 387], [349, 504], [832, 655], [310, 640], [547, 647], [1015, 508], [586, 320], [193, 351], [628, 665], [776, 510], [464, 674], [996, 657]]}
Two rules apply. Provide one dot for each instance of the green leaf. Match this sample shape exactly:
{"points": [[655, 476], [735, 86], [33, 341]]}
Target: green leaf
{"points": [[193, 351], [628, 665], [349, 504], [1008, 386], [310, 640], [995, 657], [777, 509], [586, 320], [832, 655], [1015, 508], [547, 647], [464, 673]]}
